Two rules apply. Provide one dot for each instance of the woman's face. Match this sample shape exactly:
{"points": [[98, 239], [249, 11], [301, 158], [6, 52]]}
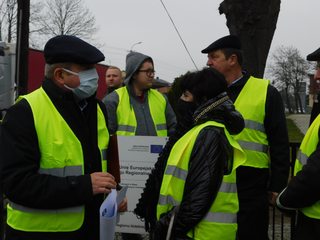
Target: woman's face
{"points": [[187, 96]]}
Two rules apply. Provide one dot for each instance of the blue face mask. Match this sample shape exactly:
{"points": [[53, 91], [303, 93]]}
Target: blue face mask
{"points": [[88, 83]]}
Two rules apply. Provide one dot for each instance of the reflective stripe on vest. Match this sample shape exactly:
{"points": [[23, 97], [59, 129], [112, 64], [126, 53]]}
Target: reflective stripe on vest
{"points": [[308, 146], [103, 138], [126, 118], [220, 221], [253, 138], [62, 172], [61, 156], [45, 211], [182, 174]]}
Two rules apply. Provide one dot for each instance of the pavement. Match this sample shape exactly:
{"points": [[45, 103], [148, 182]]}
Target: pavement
{"points": [[301, 121]]}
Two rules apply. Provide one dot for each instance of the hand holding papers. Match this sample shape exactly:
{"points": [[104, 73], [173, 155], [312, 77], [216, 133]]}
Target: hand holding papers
{"points": [[109, 213], [121, 195], [108, 216]]}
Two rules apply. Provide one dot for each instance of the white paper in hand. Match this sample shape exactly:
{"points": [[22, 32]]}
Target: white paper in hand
{"points": [[120, 197], [108, 216], [121, 194]]}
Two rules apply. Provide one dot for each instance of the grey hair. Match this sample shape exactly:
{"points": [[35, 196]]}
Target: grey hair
{"points": [[49, 68]]}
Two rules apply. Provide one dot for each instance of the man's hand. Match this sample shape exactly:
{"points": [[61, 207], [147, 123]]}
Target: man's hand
{"points": [[123, 206], [102, 182], [272, 198]]}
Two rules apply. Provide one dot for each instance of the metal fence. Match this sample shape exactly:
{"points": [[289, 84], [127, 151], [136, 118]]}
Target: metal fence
{"points": [[280, 228]]}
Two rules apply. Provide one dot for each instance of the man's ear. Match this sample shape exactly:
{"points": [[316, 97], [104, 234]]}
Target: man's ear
{"points": [[233, 59], [134, 76], [58, 76]]}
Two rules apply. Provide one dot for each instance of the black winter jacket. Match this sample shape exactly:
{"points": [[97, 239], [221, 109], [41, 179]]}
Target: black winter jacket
{"points": [[303, 191], [208, 162], [20, 159]]}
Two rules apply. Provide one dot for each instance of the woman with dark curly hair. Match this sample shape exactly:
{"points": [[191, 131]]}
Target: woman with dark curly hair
{"points": [[194, 181]]}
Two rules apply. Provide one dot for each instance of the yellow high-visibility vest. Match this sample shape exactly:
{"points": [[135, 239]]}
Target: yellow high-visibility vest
{"points": [[221, 220], [307, 147], [62, 156], [253, 138], [127, 123]]}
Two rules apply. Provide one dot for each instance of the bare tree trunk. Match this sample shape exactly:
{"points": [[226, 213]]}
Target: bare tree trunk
{"points": [[254, 22], [0, 31], [288, 101], [298, 102], [9, 32], [22, 49]]}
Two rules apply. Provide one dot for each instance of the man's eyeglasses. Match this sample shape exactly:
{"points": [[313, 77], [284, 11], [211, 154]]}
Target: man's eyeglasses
{"points": [[149, 72]]}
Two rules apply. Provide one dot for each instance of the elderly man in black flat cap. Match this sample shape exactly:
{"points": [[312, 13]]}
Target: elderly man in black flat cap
{"points": [[264, 139], [303, 192], [53, 145], [315, 56]]}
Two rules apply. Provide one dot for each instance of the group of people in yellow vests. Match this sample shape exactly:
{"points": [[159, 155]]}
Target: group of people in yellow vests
{"points": [[225, 162]]}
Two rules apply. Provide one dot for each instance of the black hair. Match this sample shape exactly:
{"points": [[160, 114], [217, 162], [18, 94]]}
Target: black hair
{"points": [[146, 60], [204, 84]]}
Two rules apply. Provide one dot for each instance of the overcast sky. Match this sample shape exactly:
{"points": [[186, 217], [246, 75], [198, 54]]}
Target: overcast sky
{"points": [[123, 23]]}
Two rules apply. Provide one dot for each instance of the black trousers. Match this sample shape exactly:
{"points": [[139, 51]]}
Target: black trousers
{"points": [[253, 215], [253, 218], [307, 228]]}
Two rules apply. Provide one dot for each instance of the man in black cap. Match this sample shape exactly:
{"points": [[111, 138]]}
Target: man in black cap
{"points": [[303, 193], [315, 56], [264, 139], [53, 145]]}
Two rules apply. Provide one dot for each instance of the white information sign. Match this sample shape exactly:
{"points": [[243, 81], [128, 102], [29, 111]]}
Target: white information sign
{"points": [[137, 156]]}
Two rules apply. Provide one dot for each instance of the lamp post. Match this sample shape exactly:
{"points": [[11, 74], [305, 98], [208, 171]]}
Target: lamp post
{"points": [[134, 45]]}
